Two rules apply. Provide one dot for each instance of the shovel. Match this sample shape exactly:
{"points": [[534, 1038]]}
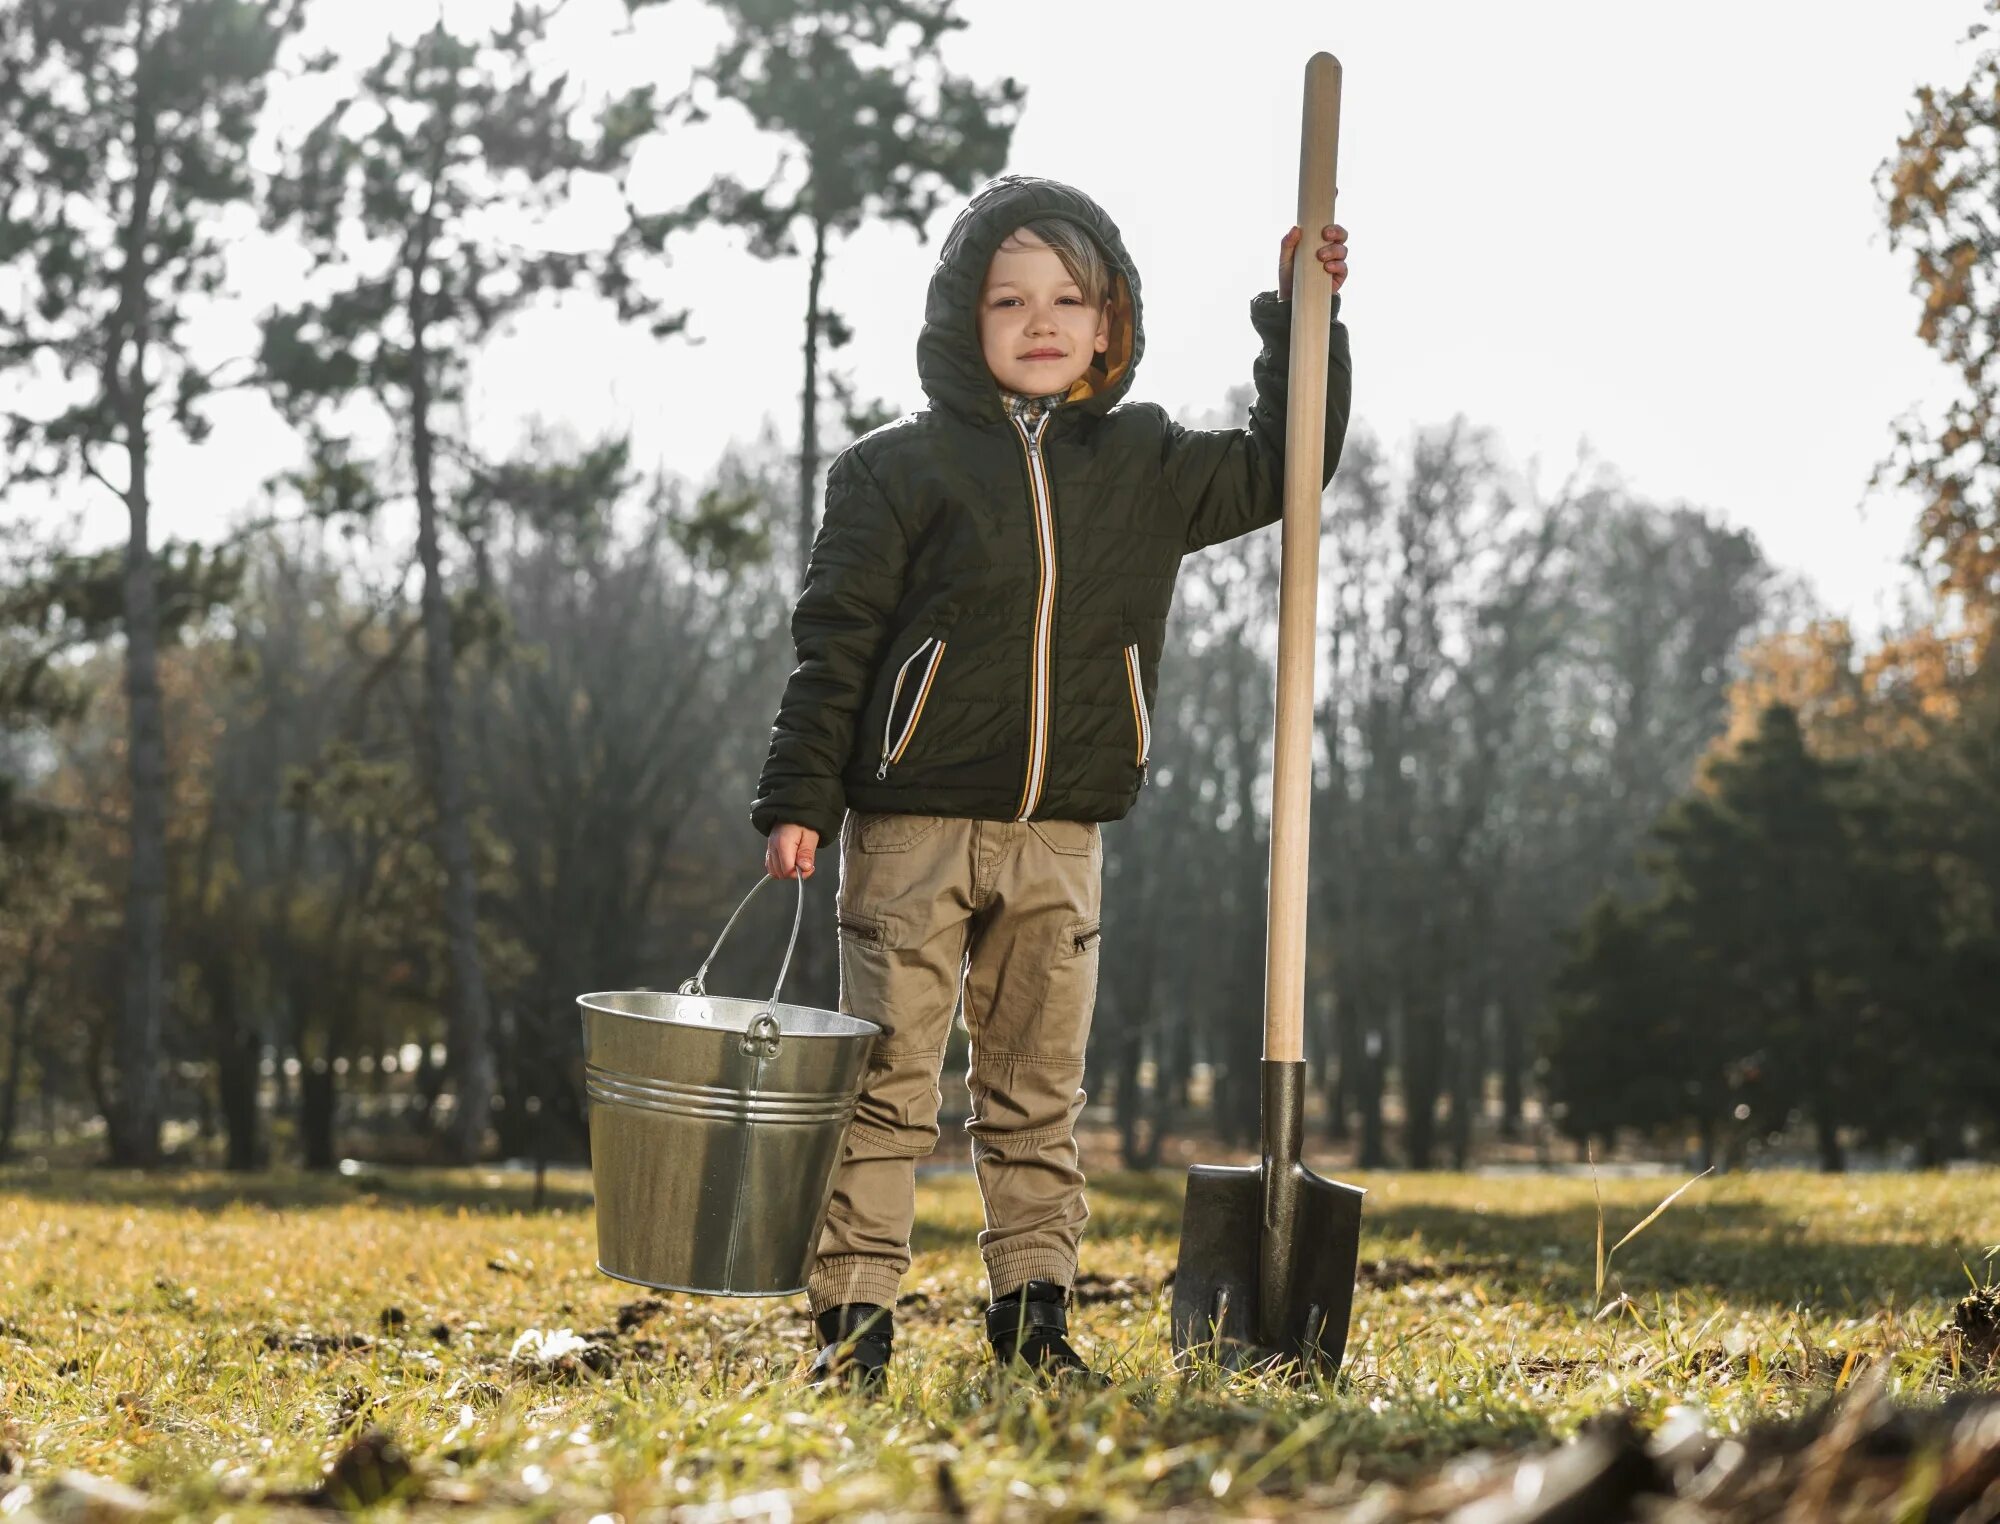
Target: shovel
{"points": [[1269, 1252]]}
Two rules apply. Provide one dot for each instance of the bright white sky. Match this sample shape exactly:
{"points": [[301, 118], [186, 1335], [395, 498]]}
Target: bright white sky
{"points": [[1651, 228]]}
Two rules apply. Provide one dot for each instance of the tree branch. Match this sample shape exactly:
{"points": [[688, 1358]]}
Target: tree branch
{"points": [[90, 469], [212, 387]]}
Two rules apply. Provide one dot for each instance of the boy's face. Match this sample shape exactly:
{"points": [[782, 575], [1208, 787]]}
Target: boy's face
{"points": [[1037, 334]]}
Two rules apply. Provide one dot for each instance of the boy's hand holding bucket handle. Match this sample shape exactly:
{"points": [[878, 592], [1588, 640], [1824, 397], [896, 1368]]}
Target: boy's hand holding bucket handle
{"points": [[788, 851]]}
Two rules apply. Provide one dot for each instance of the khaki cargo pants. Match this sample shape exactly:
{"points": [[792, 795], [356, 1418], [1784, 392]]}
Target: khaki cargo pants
{"points": [[1004, 913]]}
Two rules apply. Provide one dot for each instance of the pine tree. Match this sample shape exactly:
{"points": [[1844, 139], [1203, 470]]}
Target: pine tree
{"points": [[885, 132], [125, 127], [401, 193]]}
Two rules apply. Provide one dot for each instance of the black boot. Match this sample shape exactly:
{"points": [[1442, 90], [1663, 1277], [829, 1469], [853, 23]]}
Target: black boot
{"points": [[856, 1339], [1030, 1325]]}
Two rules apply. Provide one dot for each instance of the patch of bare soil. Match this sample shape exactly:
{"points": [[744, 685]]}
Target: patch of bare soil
{"points": [[1378, 1273]]}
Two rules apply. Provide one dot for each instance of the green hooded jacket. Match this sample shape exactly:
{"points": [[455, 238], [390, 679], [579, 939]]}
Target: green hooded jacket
{"points": [[986, 600]]}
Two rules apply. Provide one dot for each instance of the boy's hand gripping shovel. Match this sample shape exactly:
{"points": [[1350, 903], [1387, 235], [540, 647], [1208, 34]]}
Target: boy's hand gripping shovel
{"points": [[1269, 1252]]}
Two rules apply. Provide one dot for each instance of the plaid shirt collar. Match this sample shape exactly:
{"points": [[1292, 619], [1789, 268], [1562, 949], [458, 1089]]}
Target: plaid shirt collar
{"points": [[1029, 409]]}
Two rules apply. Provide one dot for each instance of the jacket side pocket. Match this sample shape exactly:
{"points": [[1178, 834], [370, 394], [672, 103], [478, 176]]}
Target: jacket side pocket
{"points": [[895, 740], [1142, 723]]}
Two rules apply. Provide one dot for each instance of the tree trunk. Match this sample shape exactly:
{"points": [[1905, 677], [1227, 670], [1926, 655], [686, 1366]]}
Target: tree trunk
{"points": [[468, 1038], [1931, 1150], [1820, 1082], [1426, 1053], [236, 1086], [429, 1083], [1239, 1099], [316, 1111], [1374, 1149], [19, 997], [1127, 1097], [809, 402], [97, 1069], [1340, 1071], [1240, 1031], [517, 1063], [133, 1125], [236, 1051], [1468, 1064], [1136, 977], [1421, 1073], [1512, 1063], [1177, 1057], [134, 1129]]}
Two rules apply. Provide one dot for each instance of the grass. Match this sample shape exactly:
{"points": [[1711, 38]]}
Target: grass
{"points": [[218, 1343]]}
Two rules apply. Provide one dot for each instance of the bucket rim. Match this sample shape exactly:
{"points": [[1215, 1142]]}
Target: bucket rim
{"points": [[590, 1001], [633, 1280]]}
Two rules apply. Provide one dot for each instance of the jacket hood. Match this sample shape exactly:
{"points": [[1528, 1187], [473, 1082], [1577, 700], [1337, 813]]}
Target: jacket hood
{"points": [[949, 360]]}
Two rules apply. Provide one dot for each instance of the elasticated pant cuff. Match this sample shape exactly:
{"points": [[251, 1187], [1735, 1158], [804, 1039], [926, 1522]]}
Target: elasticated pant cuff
{"points": [[1008, 1273], [843, 1278]]}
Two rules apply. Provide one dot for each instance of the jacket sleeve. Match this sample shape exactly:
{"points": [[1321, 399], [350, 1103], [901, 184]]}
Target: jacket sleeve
{"points": [[1228, 482], [840, 624]]}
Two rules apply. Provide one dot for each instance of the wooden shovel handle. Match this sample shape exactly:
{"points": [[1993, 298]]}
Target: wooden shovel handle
{"points": [[1298, 587]]}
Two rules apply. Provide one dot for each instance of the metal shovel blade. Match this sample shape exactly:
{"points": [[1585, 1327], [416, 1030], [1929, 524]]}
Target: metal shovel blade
{"points": [[1269, 1251]]}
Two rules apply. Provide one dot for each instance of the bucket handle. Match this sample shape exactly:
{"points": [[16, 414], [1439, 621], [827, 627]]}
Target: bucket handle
{"points": [[762, 1038]]}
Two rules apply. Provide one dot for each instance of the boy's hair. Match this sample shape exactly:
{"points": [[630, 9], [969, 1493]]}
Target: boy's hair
{"points": [[1079, 253]]}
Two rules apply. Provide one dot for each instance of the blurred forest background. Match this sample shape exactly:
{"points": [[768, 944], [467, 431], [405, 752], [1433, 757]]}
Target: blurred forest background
{"points": [[310, 835]]}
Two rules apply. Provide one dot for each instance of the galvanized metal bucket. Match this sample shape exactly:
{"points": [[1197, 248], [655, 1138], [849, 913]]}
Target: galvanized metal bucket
{"points": [[715, 1129]]}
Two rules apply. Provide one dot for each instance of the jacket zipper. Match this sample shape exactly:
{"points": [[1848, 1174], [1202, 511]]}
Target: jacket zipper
{"points": [[1041, 659], [1139, 709], [893, 745], [1083, 939]]}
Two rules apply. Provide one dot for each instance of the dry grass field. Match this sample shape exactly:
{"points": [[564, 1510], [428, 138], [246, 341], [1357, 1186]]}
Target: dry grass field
{"points": [[422, 1344]]}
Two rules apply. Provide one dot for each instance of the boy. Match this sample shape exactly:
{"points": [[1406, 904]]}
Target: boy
{"points": [[979, 638]]}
